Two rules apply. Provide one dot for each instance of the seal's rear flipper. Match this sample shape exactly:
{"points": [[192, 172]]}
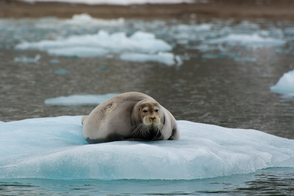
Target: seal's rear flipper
{"points": [[83, 119]]}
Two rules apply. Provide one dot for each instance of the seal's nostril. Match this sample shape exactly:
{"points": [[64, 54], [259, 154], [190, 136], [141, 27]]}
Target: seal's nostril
{"points": [[152, 118]]}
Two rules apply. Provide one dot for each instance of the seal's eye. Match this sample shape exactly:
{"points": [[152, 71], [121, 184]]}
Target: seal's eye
{"points": [[156, 110], [145, 111]]}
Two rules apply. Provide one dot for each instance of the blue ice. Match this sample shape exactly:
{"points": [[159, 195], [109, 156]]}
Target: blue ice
{"points": [[285, 85], [79, 99], [99, 44], [54, 148]]}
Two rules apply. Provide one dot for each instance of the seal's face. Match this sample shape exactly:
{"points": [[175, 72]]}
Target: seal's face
{"points": [[149, 113], [149, 125]]}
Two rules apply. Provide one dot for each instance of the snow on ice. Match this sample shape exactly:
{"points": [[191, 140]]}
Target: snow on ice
{"points": [[54, 148]]}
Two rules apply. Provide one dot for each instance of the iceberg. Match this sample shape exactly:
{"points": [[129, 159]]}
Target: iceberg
{"points": [[79, 99], [54, 148], [165, 57], [285, 85]]}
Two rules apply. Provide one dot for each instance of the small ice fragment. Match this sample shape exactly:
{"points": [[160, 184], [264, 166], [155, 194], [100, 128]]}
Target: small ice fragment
{"points": [[247, 40], [214, 56], [80, 99], [166, 58], [62, 71], [102, 68], [245, 59], [25, 59], [78, 52], [285, 85], [54, 61]]}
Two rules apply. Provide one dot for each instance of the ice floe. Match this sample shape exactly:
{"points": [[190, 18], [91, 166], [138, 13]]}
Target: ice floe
{"points": [[79, 99], [253, 40], [285, 85], [119, 2], [77, 37], [162, 57], [54, 148], [99, 44]]}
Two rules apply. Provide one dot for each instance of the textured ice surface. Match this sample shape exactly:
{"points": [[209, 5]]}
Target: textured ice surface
{"points": [[55, 148], [285, 85], [79, 99], [118, 2], [99, 44], [163, 57]]}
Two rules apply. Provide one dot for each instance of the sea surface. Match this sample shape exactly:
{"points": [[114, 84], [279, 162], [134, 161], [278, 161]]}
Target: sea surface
{"points": [[221, 74]]}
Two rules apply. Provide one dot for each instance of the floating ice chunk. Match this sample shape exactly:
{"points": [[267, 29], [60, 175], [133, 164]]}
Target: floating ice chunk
{"points": [[247, 40], [54, 148], [54, 61], [62, 71], [166, 58], [120, 2], [79, 99], [214, 56], [99, 44], [196, 28], [25, 59], [285, 85], [85, 19], [78, 52], [245, 59]]}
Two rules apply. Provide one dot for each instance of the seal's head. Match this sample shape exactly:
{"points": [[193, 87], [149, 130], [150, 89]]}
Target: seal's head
{"points": [[148, 119], [149, 113]]}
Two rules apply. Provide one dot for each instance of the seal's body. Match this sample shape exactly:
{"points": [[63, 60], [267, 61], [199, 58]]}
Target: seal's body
{"points": [[129, 116]]}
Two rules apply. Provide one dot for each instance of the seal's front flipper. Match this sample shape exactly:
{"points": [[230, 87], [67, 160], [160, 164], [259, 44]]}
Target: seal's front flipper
{"points": [[83, 119]]}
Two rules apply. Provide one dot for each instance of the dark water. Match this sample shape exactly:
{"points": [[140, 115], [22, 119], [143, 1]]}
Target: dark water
{"points": [[277, 181], [229, 87]]}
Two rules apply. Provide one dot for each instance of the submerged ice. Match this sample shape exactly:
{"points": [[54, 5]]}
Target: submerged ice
{"points": [[54, 148]]}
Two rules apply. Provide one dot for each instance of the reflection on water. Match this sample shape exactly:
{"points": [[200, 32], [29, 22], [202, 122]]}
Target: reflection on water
{"points": [[276, 181]]}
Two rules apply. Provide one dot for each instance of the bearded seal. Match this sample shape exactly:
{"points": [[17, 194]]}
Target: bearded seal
{"points": [[129, 116]]}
